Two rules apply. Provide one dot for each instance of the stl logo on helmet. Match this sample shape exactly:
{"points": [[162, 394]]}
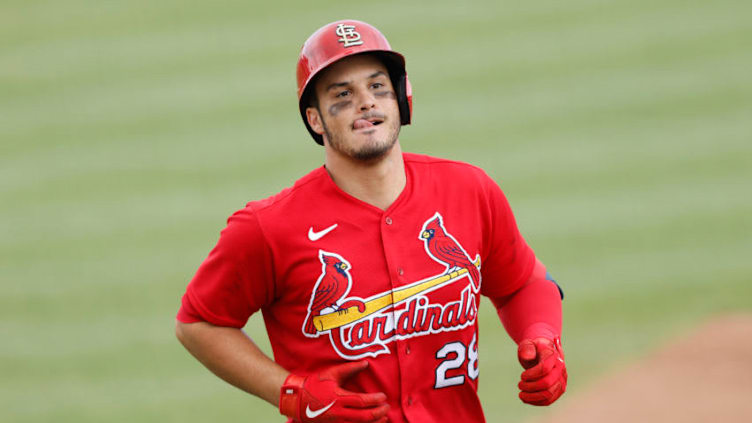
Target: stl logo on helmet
{"points": [[348, 36], [362, 327]]}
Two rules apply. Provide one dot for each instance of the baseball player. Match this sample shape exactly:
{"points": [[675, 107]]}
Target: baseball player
{"points": [[369, 270]]}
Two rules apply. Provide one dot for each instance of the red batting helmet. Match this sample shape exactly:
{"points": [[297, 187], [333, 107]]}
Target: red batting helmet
{"points": [[338, 40]]}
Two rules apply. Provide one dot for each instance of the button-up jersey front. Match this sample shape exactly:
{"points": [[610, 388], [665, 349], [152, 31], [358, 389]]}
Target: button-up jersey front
{"points": [[338, 279]]}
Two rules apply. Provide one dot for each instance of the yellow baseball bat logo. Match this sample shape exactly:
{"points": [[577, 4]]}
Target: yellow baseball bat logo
{"points": [[351, 314]]}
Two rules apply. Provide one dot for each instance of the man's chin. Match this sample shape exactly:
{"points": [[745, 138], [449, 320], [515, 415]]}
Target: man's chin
{"points": [[366, 146], [374, 150], [371, 154], [371, 150]]}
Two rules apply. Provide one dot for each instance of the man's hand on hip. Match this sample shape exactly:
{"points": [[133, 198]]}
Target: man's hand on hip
{"points": [[320, 397]]}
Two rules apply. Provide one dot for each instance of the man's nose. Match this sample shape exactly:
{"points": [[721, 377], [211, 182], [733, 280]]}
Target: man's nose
{"points": [[366, 100]]}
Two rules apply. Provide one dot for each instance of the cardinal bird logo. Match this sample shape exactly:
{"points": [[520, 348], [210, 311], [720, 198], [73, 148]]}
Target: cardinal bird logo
{"points": [[333, 285], [443, 248]]}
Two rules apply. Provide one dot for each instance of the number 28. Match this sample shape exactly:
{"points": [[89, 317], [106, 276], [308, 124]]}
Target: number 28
{"points": [[453, 355]]}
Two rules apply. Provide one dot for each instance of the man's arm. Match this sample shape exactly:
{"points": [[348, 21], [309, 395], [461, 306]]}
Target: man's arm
{"points": [[230, 354], [534, 310], [532, 317]]}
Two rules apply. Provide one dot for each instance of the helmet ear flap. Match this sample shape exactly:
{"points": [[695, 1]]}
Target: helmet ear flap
{"points": [[404, 99], [304, 103], [401, 85]]}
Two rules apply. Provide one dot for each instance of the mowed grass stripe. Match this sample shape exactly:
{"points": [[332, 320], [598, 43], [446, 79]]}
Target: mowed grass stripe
{"points": [[211, 84], [223, 154], [117, 207], [147, 41], [718, 233], [177, 37], [655, 264], [598, 99], [589, 150], [75, 341], [658, 190], [141, 394], [40, 24], [726, 28], [608, 41], [223, 147], [637, 171], [168, 101], [563, 163], [595, 210], [724, 95]]}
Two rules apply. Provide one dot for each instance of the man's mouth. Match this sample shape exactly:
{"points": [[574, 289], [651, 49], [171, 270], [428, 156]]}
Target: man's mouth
{"points": [[363, 123]]}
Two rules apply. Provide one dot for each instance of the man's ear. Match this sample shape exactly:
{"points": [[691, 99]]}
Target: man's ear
{"points": [[314, 120]]}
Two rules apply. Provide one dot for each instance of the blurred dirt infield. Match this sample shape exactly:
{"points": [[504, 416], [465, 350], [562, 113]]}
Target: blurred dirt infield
{"points": [[705, 376]]}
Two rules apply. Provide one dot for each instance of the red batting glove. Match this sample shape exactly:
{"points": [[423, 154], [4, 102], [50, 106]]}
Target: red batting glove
{"points": [[545, 377], [320, 398]]}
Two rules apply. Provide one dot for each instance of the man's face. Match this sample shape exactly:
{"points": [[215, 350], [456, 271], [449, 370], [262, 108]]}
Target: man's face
{"points": [[357, 109]]}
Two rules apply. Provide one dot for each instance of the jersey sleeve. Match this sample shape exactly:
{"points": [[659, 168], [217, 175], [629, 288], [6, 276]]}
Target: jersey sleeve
{"points": [[236, 278], [509, 260]]}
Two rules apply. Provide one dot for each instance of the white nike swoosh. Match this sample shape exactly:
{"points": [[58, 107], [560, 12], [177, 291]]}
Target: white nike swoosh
{"points": [[313, 414], [315, 236]]}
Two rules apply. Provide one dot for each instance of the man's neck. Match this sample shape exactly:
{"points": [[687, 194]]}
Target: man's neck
{"points": [[378, 183]]}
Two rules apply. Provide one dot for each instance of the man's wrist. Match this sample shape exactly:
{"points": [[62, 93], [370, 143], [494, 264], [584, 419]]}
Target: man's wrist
{"points": [[540, 330], [289, 396]]}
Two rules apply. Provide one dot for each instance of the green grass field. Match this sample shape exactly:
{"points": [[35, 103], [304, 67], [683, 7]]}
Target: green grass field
{"points": [[620, 130]]}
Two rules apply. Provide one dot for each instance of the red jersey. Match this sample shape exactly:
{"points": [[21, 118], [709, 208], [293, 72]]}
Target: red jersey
{"points": [[339, 279]]}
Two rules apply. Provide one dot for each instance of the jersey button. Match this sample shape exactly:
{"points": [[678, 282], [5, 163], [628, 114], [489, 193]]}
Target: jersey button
{"points": [[388, 220], [409, 400], [401, 272], [407, 349]]}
